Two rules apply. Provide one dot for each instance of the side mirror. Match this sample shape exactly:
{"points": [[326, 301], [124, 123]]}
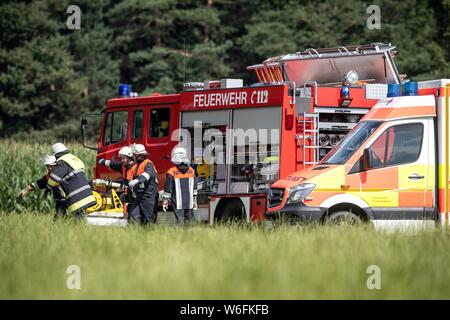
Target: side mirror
{"points": [[366, 159], [84, 126], [84, 123]]}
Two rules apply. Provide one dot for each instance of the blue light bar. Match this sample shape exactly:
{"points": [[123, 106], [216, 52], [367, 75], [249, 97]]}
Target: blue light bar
{"points": [[345, 91], [411, 88], [124, 90], [394, 90]]}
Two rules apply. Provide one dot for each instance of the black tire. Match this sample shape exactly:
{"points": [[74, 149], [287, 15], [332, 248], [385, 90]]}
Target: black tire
{"points": [[344, 217], [233, 210]]}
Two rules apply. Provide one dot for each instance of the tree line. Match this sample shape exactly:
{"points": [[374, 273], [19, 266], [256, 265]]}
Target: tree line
{"points": [[50, 73]]}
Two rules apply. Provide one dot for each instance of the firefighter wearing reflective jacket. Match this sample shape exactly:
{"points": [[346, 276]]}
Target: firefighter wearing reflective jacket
{"points": [[181, 187], [49, 161], [68, 173], [123, 166], [143, 187]]}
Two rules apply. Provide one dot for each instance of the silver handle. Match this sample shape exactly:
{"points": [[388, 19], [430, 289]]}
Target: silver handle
{"points": [[415, 176]]}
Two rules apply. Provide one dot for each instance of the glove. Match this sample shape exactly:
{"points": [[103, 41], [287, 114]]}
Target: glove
{"points": [[102, 162], [133, 182], [25, 191], [195, 206], [165, 205]]}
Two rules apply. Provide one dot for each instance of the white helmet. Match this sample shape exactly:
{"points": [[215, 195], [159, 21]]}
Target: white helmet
{"points": [[48, 160], [179, 155], [139, 149], [126, 151], [58, 148]]}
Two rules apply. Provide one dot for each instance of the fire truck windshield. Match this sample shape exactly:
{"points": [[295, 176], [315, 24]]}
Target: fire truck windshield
{"points": [[354, 139]]}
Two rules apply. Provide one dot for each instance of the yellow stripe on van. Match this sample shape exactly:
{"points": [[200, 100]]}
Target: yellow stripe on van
{"points": [[381, 199], [442, 176]]}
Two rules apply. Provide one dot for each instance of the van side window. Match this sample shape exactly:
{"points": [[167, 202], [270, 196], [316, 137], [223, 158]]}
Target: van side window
{"points": [[115, 127], [138, 120], [406, 144], [159, 123], [397, 145]]}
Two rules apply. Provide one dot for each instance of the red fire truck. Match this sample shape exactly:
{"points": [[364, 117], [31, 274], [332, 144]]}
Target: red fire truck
{"points": [[297, 111]]}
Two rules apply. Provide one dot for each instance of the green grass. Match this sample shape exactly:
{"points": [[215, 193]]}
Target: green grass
{"points": [[223, 262], [201, 262]]}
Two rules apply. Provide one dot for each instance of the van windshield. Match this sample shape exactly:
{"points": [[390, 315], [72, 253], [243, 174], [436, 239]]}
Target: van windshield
{"points": [[354, 139]]}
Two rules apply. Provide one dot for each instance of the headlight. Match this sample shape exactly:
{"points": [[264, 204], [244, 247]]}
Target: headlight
{"points": [[300, 192]]}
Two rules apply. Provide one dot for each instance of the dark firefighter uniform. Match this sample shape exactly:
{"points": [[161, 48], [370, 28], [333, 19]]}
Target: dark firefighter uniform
{"points": [[144, 195], [181, 188], [68, 173], [127, 176], [60, 203]]}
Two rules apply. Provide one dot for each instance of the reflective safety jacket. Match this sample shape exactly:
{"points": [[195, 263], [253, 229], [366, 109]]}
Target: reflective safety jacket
{"points": [[181, 187], [42, 184], [127, 172], [68, 172], [145, 172]]}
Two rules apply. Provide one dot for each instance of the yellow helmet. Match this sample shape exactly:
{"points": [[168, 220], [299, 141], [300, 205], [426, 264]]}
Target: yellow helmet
{"points": [[164, 124]]}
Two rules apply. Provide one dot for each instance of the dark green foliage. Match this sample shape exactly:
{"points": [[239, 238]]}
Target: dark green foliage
{"points": [[49, 74]]}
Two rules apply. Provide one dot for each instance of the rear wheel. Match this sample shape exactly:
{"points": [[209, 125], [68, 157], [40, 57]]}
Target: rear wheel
{"points": [[344, 217]]}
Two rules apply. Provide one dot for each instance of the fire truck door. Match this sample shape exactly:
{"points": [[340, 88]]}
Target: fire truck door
{"points": [[161, 123], [395, 185]]}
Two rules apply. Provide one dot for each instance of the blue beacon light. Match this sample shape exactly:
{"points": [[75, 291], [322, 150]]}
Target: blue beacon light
{"points": [[345, 91], [124, 90], [394, 90], [411, 88]]}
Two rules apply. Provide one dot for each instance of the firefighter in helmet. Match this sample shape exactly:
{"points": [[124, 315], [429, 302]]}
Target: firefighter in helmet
{"points": [[123, 166], [49, 161], [181, 187], [68, 173], [144, 188]]}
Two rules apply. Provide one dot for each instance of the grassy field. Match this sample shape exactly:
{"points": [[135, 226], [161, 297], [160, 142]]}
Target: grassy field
{"points": [[200, 262], [224, 262]]}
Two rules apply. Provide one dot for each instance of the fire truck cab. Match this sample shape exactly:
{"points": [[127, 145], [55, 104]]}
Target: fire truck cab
{"points": [[244, 138], [391, 169]]}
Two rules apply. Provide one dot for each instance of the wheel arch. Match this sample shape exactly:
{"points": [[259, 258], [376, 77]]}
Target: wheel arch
{"points": [[364, 214], [347, 201]]}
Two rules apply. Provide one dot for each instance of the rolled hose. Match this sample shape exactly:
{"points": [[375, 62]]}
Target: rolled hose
{"points": [[106, 183]]}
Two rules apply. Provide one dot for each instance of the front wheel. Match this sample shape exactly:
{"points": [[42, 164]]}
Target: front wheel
{"points": [[343, 217]]}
